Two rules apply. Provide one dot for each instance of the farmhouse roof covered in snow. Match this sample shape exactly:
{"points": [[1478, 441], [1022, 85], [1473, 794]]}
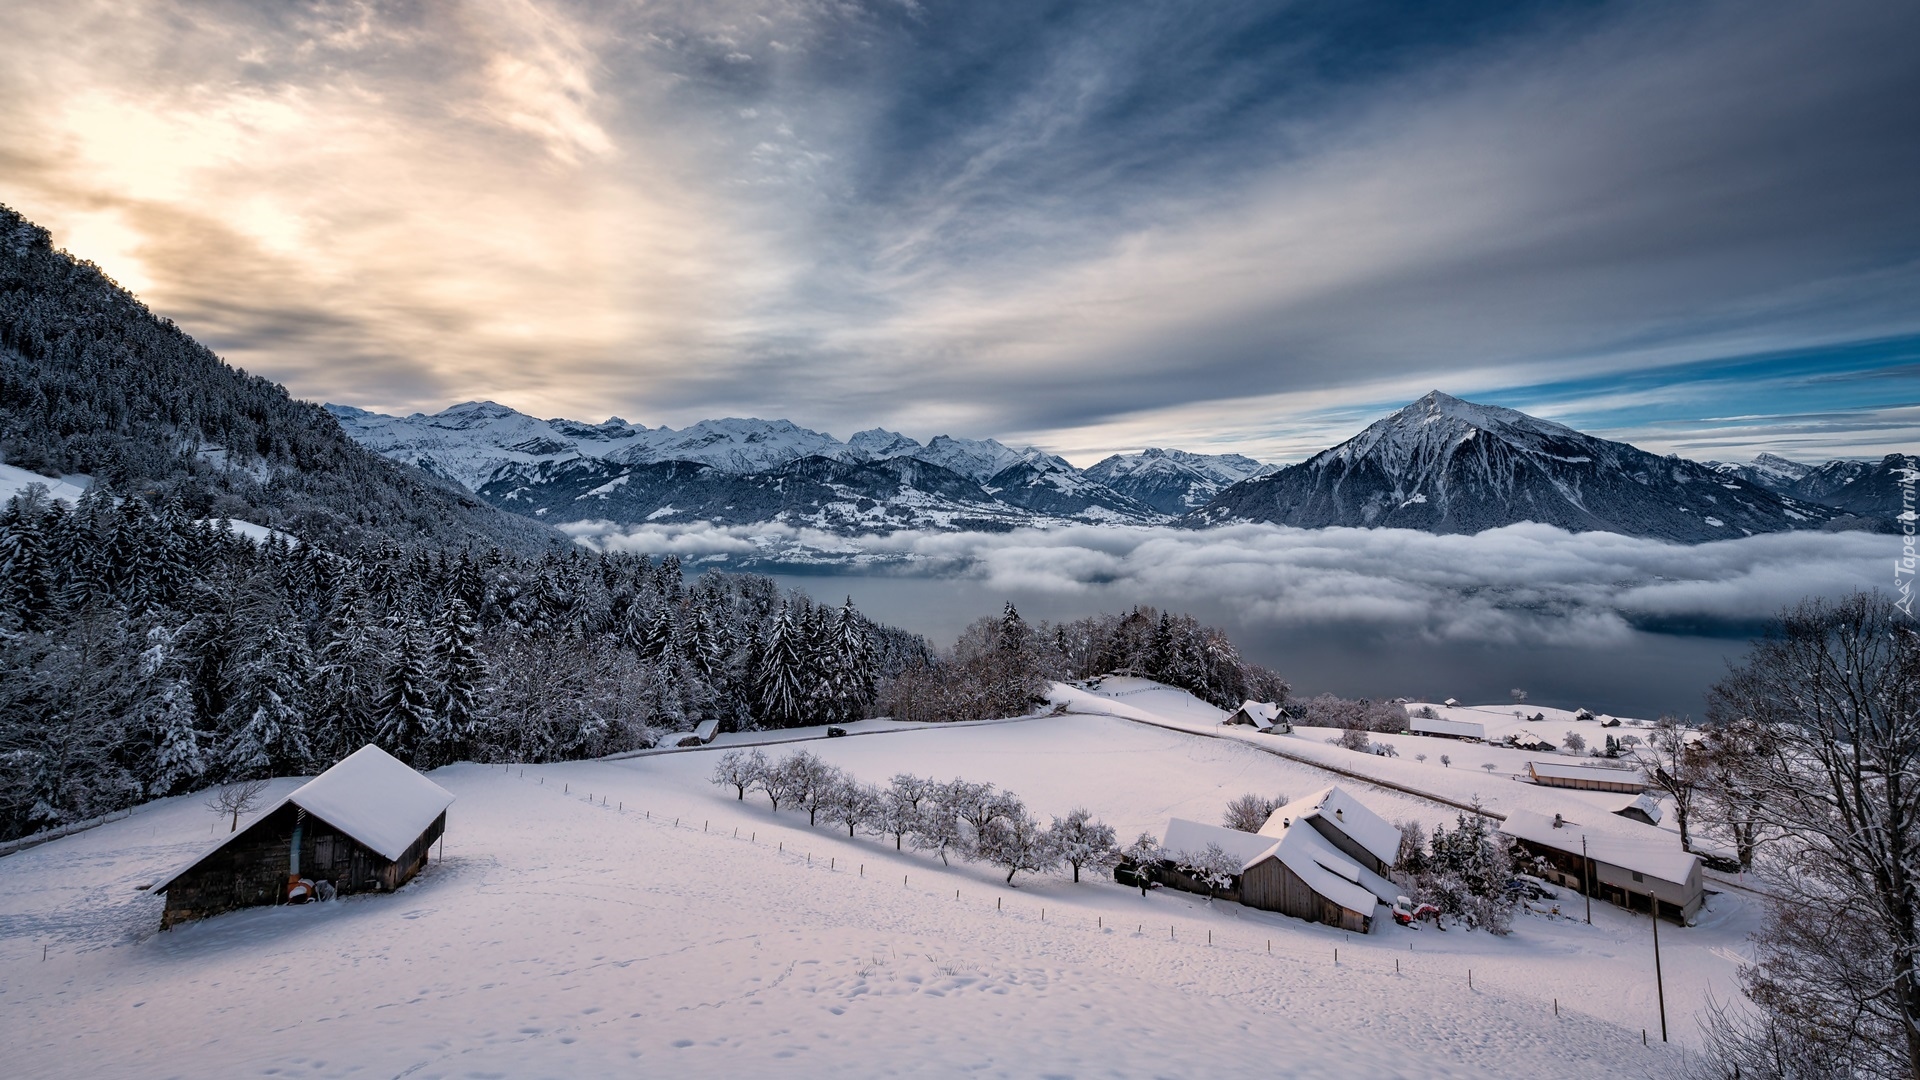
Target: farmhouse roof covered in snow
{"points": [[1335, 805], [1592, 777], [1626, 844], [1452, 729]]}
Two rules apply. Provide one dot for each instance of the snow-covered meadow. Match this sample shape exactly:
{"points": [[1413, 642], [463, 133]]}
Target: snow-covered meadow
{"points": [[629, 915]]}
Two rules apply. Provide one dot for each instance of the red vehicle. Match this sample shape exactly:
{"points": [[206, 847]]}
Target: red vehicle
{"points": [[1406, 913]]}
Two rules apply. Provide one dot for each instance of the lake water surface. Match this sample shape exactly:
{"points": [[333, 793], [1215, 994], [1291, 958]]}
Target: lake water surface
{"points": [[1645, 674]]}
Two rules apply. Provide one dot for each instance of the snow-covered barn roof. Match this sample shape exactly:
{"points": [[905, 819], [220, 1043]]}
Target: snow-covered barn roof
{"points": [[1312, 858], [1459, 729], [1623, 843], [1587, 772], [374, 798], [1261, 710], [1329, 871], [369, 795], [1338, 807], [1193, 837]]}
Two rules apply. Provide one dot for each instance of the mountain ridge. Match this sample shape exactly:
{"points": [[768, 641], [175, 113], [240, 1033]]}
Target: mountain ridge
{"points": [[1444, 465], [1440, 464]]}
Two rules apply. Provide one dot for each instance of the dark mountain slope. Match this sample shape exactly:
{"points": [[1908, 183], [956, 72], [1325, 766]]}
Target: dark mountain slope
{"points": [[1443, 465], [1867, 488], [92, 382]]}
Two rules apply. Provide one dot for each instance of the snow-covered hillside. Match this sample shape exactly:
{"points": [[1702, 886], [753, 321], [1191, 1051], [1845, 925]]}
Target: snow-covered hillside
{"points": [[628, 916]]}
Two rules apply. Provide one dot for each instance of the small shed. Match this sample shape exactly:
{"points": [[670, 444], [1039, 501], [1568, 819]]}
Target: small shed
{"points": [[1448, 729], [702, 734], [1625, 863], [1587, 777], [362, 826], [1643, 808], [1261, 716]]}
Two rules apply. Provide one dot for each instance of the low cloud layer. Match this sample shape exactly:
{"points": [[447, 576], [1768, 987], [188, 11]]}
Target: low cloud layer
{"points": [[1526, 584]]}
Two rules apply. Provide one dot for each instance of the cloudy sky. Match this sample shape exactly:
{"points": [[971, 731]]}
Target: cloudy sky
{"points": [[1092, 226]]}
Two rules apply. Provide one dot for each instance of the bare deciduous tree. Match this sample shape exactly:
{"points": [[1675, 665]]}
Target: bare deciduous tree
{"points": [[739, 771], [1675, 762], [1250, 811], [233, 800], [1836, 691]]}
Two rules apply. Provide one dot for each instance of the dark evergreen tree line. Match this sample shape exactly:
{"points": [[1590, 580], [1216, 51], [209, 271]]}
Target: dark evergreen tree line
{"points": [[146, 653], [1000, 667]]}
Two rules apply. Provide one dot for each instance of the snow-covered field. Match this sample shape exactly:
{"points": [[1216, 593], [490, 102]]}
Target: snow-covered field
{"points": [[637, 932]]}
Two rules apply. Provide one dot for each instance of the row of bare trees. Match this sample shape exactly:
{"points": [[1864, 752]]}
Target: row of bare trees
{"points": [[955, 818]]}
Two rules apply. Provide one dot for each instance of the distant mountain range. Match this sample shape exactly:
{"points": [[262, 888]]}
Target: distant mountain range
{"points": [[1440, 465], [736, 471], [1869, 489]]}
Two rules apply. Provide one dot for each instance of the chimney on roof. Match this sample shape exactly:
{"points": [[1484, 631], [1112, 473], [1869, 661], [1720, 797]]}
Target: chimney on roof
{"points": [[1557, 821]]}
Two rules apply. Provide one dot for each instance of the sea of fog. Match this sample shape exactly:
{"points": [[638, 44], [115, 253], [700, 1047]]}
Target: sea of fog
{"points": [[1608, 622]]}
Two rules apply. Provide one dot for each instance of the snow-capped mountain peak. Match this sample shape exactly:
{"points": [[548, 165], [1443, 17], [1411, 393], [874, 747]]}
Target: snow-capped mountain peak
{"points": [[1446, 465], [878, 444]]}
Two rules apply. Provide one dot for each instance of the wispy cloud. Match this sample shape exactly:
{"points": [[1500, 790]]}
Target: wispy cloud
{"points": [[1094, 228]]}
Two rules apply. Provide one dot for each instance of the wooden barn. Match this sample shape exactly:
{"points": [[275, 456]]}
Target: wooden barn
{"points": [[1587, 777], [1625, 863], [362, 826], [1322, 858], [1447, 729]]}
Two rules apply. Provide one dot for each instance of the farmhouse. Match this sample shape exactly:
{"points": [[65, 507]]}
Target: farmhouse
{"points": [[1261, 716], [1448, 729], [1625, 863], [1321, 858], [362, 826], [1587, 777]]}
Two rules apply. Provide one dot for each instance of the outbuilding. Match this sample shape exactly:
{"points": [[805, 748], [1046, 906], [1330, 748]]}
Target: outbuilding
{"points": [[1635, 866], [1262, 716], [362, 826], [1447, 729], [1587, 777], [1643, 808]]}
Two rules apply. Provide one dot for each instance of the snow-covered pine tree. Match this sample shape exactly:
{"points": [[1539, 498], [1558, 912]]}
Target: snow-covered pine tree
{"points": [[348, 669], [26, 578], [459, 676], [266, 719], [179, 760], [404, 716], [781, 688], [851, 664]]}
